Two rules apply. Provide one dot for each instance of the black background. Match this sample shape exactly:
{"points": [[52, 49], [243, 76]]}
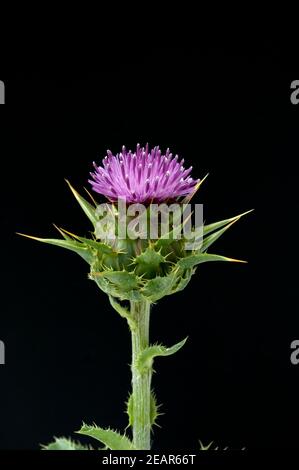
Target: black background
{"points": [[67, 352]]}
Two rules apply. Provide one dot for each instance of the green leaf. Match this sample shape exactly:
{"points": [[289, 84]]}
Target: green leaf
{"points": [[160, 286], [167, 238], [183, 280], [199, 258], [200, 234], [130, 410], [113, 290], [146, 357], [216, 225], [188, 198], [62, 443], [174, 234], [123, 311], [149, 262], [208, 241], [112, 439], [64, 233], [69, 244], [154, 410], [88, 209], [101, 247], [121, 279]]}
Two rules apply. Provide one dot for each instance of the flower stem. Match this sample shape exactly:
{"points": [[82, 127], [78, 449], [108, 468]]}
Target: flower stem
{"points": [[141, 379]]}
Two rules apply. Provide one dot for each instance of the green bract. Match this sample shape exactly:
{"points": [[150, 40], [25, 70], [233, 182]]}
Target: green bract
{"points": [[141, 269]]}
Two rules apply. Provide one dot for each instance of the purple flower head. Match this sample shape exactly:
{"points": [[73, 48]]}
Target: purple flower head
{"points": [[144, 176]]}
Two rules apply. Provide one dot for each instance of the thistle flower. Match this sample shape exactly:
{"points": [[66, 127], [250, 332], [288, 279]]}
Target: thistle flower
{"points": [[136, 273], [142, 177]]}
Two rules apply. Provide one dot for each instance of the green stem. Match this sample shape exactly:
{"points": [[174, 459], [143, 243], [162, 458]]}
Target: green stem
{"points": [[141, 380]]}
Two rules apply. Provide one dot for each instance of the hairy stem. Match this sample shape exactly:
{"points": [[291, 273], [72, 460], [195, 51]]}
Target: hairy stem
{"points": [[141, 380]]}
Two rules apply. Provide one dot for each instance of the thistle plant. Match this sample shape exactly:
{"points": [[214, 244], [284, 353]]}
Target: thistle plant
{"points": [[136, 266]]}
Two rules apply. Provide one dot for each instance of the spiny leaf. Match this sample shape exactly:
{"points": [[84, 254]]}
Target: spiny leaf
{"points": [[149, 257], [62, 443], [62, 232], [88, 209], [132, 295], [121, 279], [160, 286], [104, 284], [130, 410], [154, 410], [72, 245], [112, 439], [149, 262], [123, 311], [174, 234], [200, 234], [146, 357], [183, 280], [188, 198], [216, 225], [91, 197], [112, 289], [199, 258], [208, 241], [103, 248], [99, 246]]}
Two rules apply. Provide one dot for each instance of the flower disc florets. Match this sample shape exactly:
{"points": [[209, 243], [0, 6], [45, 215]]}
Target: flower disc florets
{"points": [[144, 176]]}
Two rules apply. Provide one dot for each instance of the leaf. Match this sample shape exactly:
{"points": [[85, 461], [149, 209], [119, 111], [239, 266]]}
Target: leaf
{"points": [[103, 248], [69, 244], [91, 197], [184, 279], [123, 311], [154, 410], [199, 258], [200, 234], [150, 257], [174, 234], [113, 290], [88, 209], [216, 225], [146, 357], [112, 439], [130, 410], [62, 232], [148, 262], [62, 443], [208, 241], [121, 279], [160, 286], [167, 238], [188, 198]]}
